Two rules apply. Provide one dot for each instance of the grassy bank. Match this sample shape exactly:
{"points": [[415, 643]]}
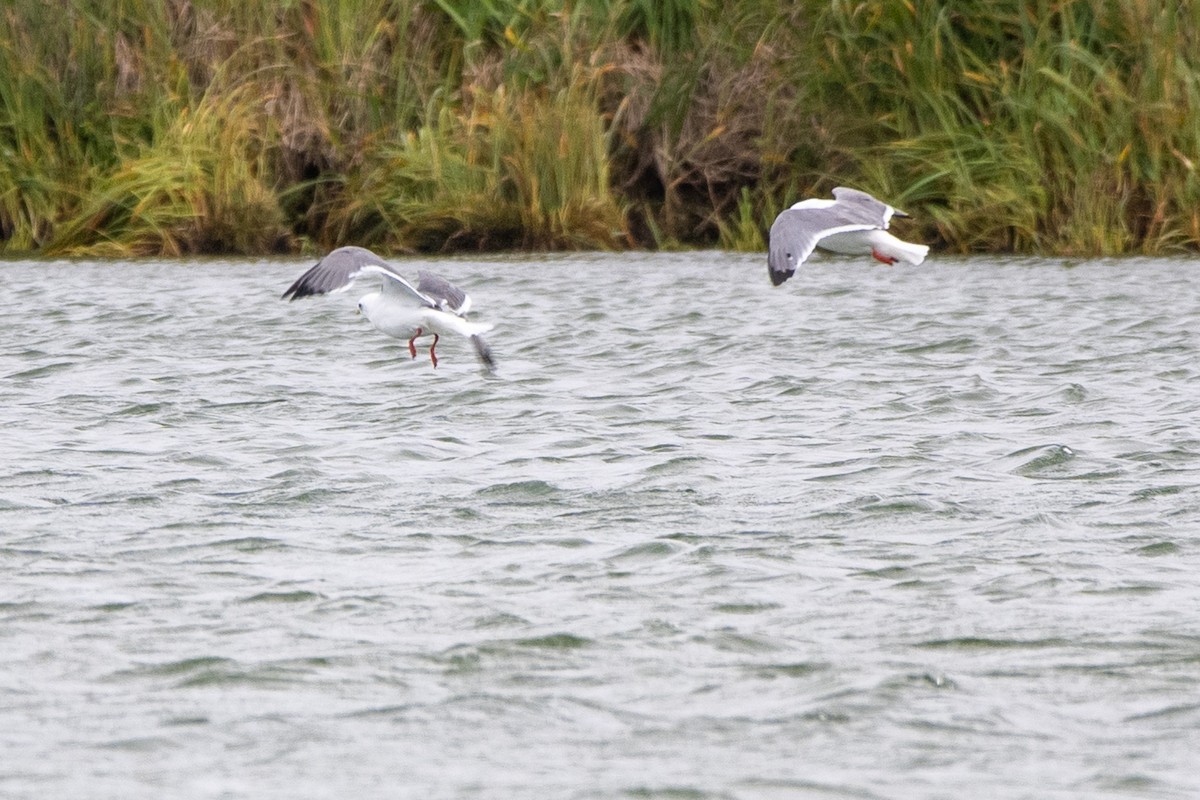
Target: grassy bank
{"points": [[196, 126]]}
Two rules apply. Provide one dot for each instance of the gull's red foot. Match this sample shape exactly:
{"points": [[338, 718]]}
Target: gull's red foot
{"points": [[881, 257], [412, 348], [433, 355]]}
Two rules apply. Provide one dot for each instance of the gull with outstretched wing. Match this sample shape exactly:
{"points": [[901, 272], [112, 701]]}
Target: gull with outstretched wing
{"points": [[853, 223], [434, 307]]}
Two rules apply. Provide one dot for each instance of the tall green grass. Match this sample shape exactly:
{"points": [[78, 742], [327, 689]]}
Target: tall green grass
{"points": [[1062, 127], [199, 187], [179, 126]]}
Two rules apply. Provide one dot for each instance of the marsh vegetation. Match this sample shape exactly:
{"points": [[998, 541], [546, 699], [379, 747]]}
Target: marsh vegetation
{"points": [[194, 126]]}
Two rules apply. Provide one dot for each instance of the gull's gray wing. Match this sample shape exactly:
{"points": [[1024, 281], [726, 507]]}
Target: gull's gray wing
{"points": [[445, 294], [796, 231], [338, 271], [859, 206]]}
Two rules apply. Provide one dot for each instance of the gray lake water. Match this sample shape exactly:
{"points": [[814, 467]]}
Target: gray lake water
{"points": [[877, 533]]}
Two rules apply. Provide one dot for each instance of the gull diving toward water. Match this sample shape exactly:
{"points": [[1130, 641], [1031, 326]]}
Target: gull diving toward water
{"points": [[435, 307], [853, 223]]}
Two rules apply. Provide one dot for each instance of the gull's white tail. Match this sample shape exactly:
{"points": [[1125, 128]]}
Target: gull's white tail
{"points": [[882, 244], [902, 250], [448, 322]]}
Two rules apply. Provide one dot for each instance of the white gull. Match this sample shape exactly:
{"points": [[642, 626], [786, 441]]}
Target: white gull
{"points": [[434, 307], [853, 223]]}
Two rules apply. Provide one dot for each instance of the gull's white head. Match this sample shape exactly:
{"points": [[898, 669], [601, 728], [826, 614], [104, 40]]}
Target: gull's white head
{"points": [[368, 303]]}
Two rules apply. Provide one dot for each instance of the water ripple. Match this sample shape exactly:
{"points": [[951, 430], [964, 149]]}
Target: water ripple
{"points": [[875, 533]]}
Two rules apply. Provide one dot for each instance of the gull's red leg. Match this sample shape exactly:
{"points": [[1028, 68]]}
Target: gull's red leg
{"points": [[881, 257], [433, 355], [412, 348]]}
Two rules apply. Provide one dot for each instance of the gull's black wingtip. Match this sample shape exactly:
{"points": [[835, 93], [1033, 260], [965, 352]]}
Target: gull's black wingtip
{"points": [[485, 354], [301, 288]]}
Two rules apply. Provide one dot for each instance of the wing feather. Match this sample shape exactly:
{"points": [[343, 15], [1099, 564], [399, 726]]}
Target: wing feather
{"points": [[858, 206], [340, 269], [796, 233], [396, 285], [445, 294]]}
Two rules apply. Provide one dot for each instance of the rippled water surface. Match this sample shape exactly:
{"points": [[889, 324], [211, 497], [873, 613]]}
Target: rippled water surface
{"points": [[877, 533]]}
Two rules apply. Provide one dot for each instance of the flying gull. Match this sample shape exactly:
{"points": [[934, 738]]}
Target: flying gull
{"points": [[434, 307], [853, 223]]}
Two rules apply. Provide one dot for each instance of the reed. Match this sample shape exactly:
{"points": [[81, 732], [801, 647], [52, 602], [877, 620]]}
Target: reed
{"points": [[523, 168], [175, 126], [199, 187], [1059, 127], [49, 133]]}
